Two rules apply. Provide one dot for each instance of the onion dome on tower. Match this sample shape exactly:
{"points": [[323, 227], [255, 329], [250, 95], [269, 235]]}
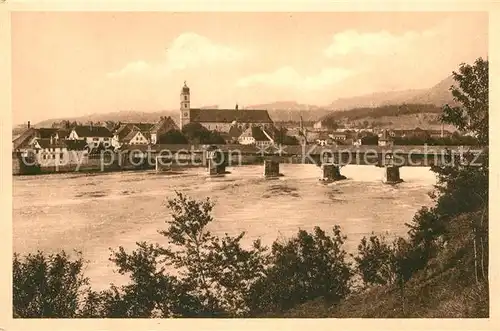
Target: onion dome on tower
{"points": [[185, 88]]}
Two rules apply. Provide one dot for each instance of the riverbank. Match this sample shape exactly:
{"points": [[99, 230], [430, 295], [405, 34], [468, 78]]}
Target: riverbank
{"points": [[445, 288]]}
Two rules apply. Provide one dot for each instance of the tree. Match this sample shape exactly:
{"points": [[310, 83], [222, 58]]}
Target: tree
{"points": [[47, 285], [374, 261], [172, 137], [305, 267], [214, 274], [330, 123], [281, 137], [198, 134], [471, 115]]}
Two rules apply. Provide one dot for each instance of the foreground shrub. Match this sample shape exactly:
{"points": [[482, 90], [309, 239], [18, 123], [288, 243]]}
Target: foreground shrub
{"points": [[375, 261], [195, 274], [306, 267], [47, 286]]}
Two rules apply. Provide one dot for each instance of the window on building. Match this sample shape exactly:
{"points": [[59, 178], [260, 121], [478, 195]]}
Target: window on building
{"points": [[61, 155], [185, 97], [106, 139], [95, 139]]}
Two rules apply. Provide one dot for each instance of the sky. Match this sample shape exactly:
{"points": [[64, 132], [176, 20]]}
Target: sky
{"points": [[67, 64]]}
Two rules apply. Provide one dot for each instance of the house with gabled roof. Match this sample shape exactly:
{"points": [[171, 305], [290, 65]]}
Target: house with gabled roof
{"points": [[26, 138], [94, 135], [255, 135], [136, 137], [164, 125], [142, 133], [51, 151]]}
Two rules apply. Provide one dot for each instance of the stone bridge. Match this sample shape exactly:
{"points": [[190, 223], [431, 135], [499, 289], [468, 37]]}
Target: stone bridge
{"points": [[330, 159]]}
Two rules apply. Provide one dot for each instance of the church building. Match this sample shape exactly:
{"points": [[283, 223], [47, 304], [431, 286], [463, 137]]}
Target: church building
{"points": [[221, 119]]}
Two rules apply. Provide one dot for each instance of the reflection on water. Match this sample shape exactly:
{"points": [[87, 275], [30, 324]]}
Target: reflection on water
{"points": [[94, 213]]}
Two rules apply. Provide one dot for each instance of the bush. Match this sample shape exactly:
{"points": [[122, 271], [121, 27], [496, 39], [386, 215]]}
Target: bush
{"points": [[47, 286], [214, 274], [306, 267], [374, 261]]}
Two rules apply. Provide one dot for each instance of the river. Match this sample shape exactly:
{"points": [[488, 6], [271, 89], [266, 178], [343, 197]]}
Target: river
{"points": [[92, 213]]}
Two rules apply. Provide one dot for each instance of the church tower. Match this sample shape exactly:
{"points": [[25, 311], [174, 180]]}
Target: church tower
{"points": [[185, 106]]}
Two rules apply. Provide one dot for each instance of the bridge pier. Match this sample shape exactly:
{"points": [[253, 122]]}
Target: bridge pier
{"points": [[216, 168], [331, 173], [216, 163], [271, 169], [162, 164], [391, 175]]}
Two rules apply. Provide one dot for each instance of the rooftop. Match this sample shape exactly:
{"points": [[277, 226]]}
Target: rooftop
{"points": [[230, 115], [92, 131]]}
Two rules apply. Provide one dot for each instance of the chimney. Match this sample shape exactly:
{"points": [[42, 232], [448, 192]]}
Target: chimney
{"points": [[442, 130], [29, 124], [51, 140], [236, 107]]}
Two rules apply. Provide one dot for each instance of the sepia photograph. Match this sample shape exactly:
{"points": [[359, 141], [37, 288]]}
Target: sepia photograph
{"points": [[173, 164]]}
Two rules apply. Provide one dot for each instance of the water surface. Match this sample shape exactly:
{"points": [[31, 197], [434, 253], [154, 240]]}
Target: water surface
{"points": [[92, 213]]}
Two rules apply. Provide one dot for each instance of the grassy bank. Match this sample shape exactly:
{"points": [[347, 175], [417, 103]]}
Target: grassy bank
{"points": [[445, 288]]}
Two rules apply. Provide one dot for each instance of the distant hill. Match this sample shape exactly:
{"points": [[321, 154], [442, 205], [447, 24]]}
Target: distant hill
{"points": [[375, 99], [284, 105], [404, 116], [122, 116], [436, 95], [283, 111]]}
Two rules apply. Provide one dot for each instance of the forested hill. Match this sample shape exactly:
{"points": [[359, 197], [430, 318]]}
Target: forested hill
{"points": [[404, 116], [388, 110]]}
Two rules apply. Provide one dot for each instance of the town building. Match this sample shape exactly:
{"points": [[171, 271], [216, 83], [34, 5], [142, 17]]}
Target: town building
{"points": [[385, 139], [221, 120], [142, 133], [26, 138], [324, 139], [319, 126], [232, 136], [132, 134], [93, 135], [338, 136], [164, 125], [255, 135], [50, 152]]}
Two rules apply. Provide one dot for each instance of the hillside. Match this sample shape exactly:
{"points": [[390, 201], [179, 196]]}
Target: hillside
{"points": [[439, 94], [122, 116], [283, 111], [446, 288], [406, 116], [436, 95], [374, 99]]}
